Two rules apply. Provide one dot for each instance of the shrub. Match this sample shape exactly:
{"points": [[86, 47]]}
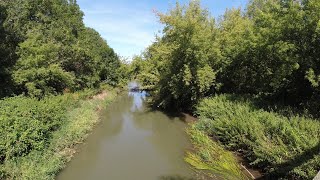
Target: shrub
{"points": [[26, 124], [283, 146]]}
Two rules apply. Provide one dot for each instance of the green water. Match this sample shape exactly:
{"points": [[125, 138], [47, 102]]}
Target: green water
{"points": [[132, 143]]}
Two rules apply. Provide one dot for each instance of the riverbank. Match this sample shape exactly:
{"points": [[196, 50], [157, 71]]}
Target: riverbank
{"points": [[132, 141], [283, 146], [44, 134], [210, 158]]}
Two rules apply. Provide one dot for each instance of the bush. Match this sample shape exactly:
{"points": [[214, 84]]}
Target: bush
{"points": [[283, 146], [37, 136], [26, 123]]}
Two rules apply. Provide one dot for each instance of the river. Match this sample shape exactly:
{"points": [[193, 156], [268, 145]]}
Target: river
{"points": [[132, 142]]}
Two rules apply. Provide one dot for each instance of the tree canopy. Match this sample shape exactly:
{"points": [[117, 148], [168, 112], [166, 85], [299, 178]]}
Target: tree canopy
{"points": [[46, 49], [257, 51], [266, 56]]}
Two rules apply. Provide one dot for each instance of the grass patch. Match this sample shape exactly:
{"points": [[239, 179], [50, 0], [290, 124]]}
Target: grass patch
{"points": [[284, 146], [39, 136], [211, 156]]}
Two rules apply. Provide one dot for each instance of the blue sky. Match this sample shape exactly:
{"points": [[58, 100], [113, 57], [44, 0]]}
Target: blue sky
{"points": [[129, 26]]}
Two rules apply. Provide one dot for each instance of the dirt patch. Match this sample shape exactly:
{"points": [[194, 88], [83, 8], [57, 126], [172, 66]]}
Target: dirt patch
{"points": [[247, 169], [67, 153], [188, 118], [100, 96]]}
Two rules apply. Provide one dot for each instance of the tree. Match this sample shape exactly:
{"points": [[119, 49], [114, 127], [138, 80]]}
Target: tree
{"points": [[47, 48], [189, 55], [236, 38], [39, 68], [7, 54]]}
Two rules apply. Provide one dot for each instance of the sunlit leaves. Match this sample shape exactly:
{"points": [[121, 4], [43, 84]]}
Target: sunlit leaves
{"points": [[188, 65], [52, 49]]}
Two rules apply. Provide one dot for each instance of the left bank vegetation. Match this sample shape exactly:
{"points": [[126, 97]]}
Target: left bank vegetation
{"points": [[50, 66]]}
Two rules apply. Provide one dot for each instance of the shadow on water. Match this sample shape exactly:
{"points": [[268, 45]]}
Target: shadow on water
{"points": [[139, 98], [173, 115], [170, 114]]}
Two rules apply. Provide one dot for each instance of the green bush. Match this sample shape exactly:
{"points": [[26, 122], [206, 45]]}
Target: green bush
{"points": [[283, 146], [37, 136], [26, 123]]}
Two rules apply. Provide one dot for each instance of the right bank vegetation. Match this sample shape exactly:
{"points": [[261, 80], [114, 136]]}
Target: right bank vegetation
{"points": [[251, 76]]}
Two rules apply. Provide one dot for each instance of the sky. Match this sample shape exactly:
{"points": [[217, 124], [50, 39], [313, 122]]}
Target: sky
{"points": [[130, 26]]}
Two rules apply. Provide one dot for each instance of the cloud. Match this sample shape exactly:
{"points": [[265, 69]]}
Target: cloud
{"points": [[130, 26], [129, 30]]}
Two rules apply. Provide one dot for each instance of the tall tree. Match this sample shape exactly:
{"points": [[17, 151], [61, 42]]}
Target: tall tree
{"points": [[8, 57], [189, 53], [52, 50]]}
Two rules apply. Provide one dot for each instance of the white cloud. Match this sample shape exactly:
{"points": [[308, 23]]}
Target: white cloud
{"points": [[129, 30], [130, 26]]}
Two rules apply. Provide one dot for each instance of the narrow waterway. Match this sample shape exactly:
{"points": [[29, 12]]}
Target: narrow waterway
{"points": [[133, 142]]}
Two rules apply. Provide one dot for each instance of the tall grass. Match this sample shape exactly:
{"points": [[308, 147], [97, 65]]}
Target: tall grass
{"points": [[211, 156], [38, 136], [283, 146]]}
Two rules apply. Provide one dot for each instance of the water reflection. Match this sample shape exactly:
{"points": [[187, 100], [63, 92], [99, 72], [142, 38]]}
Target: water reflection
{"points": [[133, 85], [138, 99], [132, 142]]}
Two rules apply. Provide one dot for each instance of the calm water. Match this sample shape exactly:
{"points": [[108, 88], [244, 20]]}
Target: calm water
{"points": [[132, 143]]}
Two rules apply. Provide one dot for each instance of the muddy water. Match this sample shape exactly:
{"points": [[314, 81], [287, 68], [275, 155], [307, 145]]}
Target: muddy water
{"points": [[132, 143]]}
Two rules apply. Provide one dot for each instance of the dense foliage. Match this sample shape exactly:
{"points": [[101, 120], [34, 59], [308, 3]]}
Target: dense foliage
{"points": [[38, 136], [269, 51], [259, 51], [282, 145], [46, 49], [26, 124]]}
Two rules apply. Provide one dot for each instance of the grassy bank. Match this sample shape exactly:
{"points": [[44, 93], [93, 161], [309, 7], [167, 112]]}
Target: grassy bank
{"points": [[283, 146], [38, 137], [210, 157]]}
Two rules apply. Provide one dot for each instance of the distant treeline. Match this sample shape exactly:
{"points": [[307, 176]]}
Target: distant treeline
{"points": [[45, 48], [271, 49]]}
